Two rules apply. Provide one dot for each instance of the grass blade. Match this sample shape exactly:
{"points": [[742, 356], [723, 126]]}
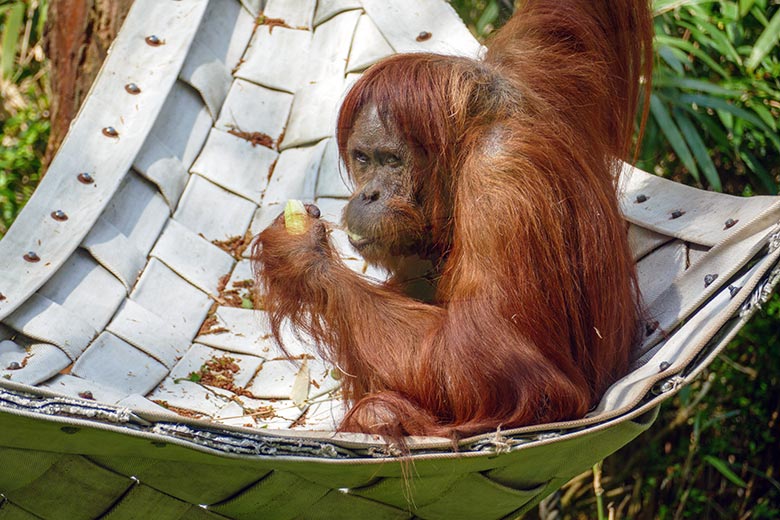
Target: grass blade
{"points": [[699, 149], [673, 135], [721, 104], [745, 6], [759, 171], [695, 84], [725, 470], [664, 6], [695, 51], [764, 113], [14, 18], [714, 37], [670, 57], [489, 17], [765, 43]]}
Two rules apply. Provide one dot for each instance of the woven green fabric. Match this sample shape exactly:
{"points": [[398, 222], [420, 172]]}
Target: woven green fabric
{"points": [[54, 471]]}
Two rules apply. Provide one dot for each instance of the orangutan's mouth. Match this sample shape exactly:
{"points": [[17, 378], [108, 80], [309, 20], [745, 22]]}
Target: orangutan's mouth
{"points": [[358, 241]]}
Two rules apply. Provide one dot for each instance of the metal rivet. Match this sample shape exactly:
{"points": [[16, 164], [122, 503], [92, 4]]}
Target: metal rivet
{"points": [[87, 395], [32, 257], [664, 365], [154, 40], [110, 131], [423, 36], [641, 198], [85, 178], [730, 223], [733, 290], [709, 279], [650, 327], [59, 215], [677, 213], [132, 88], [14, 365], [668, 386], [70, 430]]}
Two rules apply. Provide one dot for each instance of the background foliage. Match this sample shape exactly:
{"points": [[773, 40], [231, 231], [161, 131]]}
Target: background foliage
{"points": [[714, 451], [24, 125]]}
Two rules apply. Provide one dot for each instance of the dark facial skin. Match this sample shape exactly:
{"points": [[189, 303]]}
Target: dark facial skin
{"points": [[382, 216]]}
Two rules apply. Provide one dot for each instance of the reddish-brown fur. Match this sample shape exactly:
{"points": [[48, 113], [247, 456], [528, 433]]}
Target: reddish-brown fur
{"points": [[515, 159]]}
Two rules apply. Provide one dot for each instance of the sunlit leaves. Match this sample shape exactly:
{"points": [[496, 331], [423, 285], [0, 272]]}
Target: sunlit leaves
{"points": [[716, 98]]}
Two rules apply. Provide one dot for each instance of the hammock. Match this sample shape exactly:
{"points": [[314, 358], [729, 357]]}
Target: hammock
{"points": [[136, 377]]}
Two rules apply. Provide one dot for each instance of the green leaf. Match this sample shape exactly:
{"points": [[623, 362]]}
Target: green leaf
{"points": [[246, 303], [699, 149], [721, 104], [667, 80], [12, 27], [695, 51], [758, 12], [673, 135], [745, 6], [725, 470], [764, 113], [489, 17], [717, 39], [670, 57], [664, 6], [765, 43], [760, 172]]}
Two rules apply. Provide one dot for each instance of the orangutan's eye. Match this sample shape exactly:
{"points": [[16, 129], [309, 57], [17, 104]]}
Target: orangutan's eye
{"points": [[392, 161], [360, 157]]}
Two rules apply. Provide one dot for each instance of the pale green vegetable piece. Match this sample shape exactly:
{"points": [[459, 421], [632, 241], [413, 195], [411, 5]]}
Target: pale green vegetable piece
{"points": [[295, 217]]}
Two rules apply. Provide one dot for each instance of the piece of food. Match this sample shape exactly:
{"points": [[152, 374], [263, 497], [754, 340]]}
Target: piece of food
{"points": [[295, 217]]}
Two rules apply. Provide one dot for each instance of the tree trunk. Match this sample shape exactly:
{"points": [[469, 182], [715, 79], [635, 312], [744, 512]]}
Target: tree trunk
{"points": [[78, 36]]}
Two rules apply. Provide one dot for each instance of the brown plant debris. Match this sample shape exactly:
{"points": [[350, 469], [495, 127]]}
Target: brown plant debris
{"points": [[256, 138], [271, 22], [181, 411], [271, 169], [211, 325], [219, 372], [236, 245], [238, 66]]}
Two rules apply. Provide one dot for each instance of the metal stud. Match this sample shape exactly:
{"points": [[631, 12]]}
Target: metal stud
{"points": [[154, 40], [133, 89], [663, 366], [59, 215], [709, 279], [733, 290], [730, 223], [32, 257], [677, 214], [424, 36], [641, 198], [14, 365], [667, 386], [110, 131], [85, 178]]}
